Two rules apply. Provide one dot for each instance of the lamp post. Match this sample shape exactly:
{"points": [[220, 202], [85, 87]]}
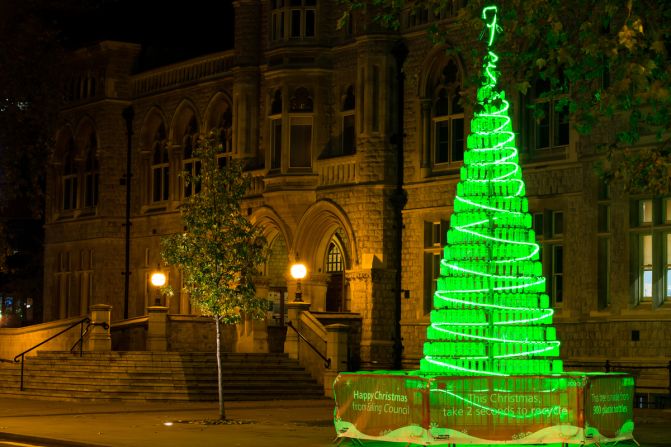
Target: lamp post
{"points": [[298, 272], [157, 280]]}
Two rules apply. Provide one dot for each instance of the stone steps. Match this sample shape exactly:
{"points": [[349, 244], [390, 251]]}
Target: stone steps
{"points": [[157, 376]]}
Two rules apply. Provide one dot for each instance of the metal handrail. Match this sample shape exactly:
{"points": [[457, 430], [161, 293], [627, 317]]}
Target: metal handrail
{"points": [[21, 357], [82, 334], [327, 361]]}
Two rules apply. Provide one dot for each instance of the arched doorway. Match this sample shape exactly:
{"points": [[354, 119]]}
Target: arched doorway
{"points": [[334, 266]]}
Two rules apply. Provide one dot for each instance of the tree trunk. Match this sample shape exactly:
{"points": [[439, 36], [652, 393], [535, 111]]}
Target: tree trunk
{"points": [[220, 384]]}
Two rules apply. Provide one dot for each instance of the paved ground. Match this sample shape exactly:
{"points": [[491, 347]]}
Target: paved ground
{"points": [[307, 423]]}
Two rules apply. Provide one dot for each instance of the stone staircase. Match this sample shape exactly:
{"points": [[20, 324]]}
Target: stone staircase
{"points": [[157, 376]]}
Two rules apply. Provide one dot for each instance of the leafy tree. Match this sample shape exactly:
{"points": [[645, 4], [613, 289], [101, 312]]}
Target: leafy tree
{"points": [[219, 250], [611, 58]]}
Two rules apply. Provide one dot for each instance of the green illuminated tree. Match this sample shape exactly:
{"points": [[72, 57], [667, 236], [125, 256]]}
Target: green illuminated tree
{"points": [[608, 59], [491, 315], [219, 250]]}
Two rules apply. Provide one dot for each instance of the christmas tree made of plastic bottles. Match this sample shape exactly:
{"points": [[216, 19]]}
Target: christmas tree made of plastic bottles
{"points": [[491, 314]]}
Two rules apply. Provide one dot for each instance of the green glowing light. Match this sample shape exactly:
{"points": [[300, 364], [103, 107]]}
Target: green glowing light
{"points": [[504, 413], [491, 315]]}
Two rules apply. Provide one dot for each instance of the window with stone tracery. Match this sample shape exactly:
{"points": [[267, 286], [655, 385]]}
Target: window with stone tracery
{"points": [[447, 118], [293, 19], [160, 168], [70, 179], [190, 163], [91, 175]]}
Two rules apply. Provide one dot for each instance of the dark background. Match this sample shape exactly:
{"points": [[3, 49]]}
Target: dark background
{"points": [[168, 30]]}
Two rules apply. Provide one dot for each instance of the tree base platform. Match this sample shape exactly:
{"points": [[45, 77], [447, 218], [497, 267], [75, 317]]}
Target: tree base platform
{"points": [[414, 408]]}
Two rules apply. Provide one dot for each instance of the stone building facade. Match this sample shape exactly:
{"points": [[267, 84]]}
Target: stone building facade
{"points": [[354, 138]]}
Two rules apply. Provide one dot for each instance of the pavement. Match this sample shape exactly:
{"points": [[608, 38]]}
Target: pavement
{"points": [[300, 423]]}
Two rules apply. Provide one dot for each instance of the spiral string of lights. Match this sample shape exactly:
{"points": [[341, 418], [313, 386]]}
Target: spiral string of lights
{"points": [[491, 314]]}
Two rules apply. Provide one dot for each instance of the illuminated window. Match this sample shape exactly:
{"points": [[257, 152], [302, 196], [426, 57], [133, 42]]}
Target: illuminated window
{"points": [[651, 238], [334, 259], [293, 19], [448, 118]]}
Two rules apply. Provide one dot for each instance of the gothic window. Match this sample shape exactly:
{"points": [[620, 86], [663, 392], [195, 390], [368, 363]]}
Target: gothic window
{"points": [[276, 131], [348, 143], [335, 269], [225, 134], [190, 163], [301, 101], [293, 19], [91, 175], [70, 179], [334, 259], [160, 168], [447, 118]]}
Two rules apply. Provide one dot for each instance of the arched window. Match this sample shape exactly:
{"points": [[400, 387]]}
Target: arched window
{"points": [[301, 101], [160, 168], [348, 144], [447, 117], [190, 164], [91, 175], [70, 178], [334, 258], [334, 266], [225, 134]]}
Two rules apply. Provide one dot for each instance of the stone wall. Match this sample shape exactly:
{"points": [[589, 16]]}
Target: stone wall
{"points": [[349, 195], [13, 341]]}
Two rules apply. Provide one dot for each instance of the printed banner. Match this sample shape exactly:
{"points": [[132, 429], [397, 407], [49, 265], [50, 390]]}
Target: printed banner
{"points": [[572, 408]]}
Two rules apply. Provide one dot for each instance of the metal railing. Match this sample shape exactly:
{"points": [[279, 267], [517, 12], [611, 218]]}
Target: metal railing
{"points": [[82, 332], [327, 361]]}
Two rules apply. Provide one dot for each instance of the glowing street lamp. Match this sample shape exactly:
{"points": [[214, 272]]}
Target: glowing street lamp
{"points": [[157, 280], [298, 272]]}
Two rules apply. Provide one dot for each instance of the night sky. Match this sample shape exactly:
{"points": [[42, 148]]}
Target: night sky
{"points": [[169, 31]]}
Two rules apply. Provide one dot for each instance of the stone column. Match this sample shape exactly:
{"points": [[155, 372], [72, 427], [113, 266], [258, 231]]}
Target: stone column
{"points": [[157, 333], [252, 335], [291, 341], [317, 287], [100, 339], [336, 350]]}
